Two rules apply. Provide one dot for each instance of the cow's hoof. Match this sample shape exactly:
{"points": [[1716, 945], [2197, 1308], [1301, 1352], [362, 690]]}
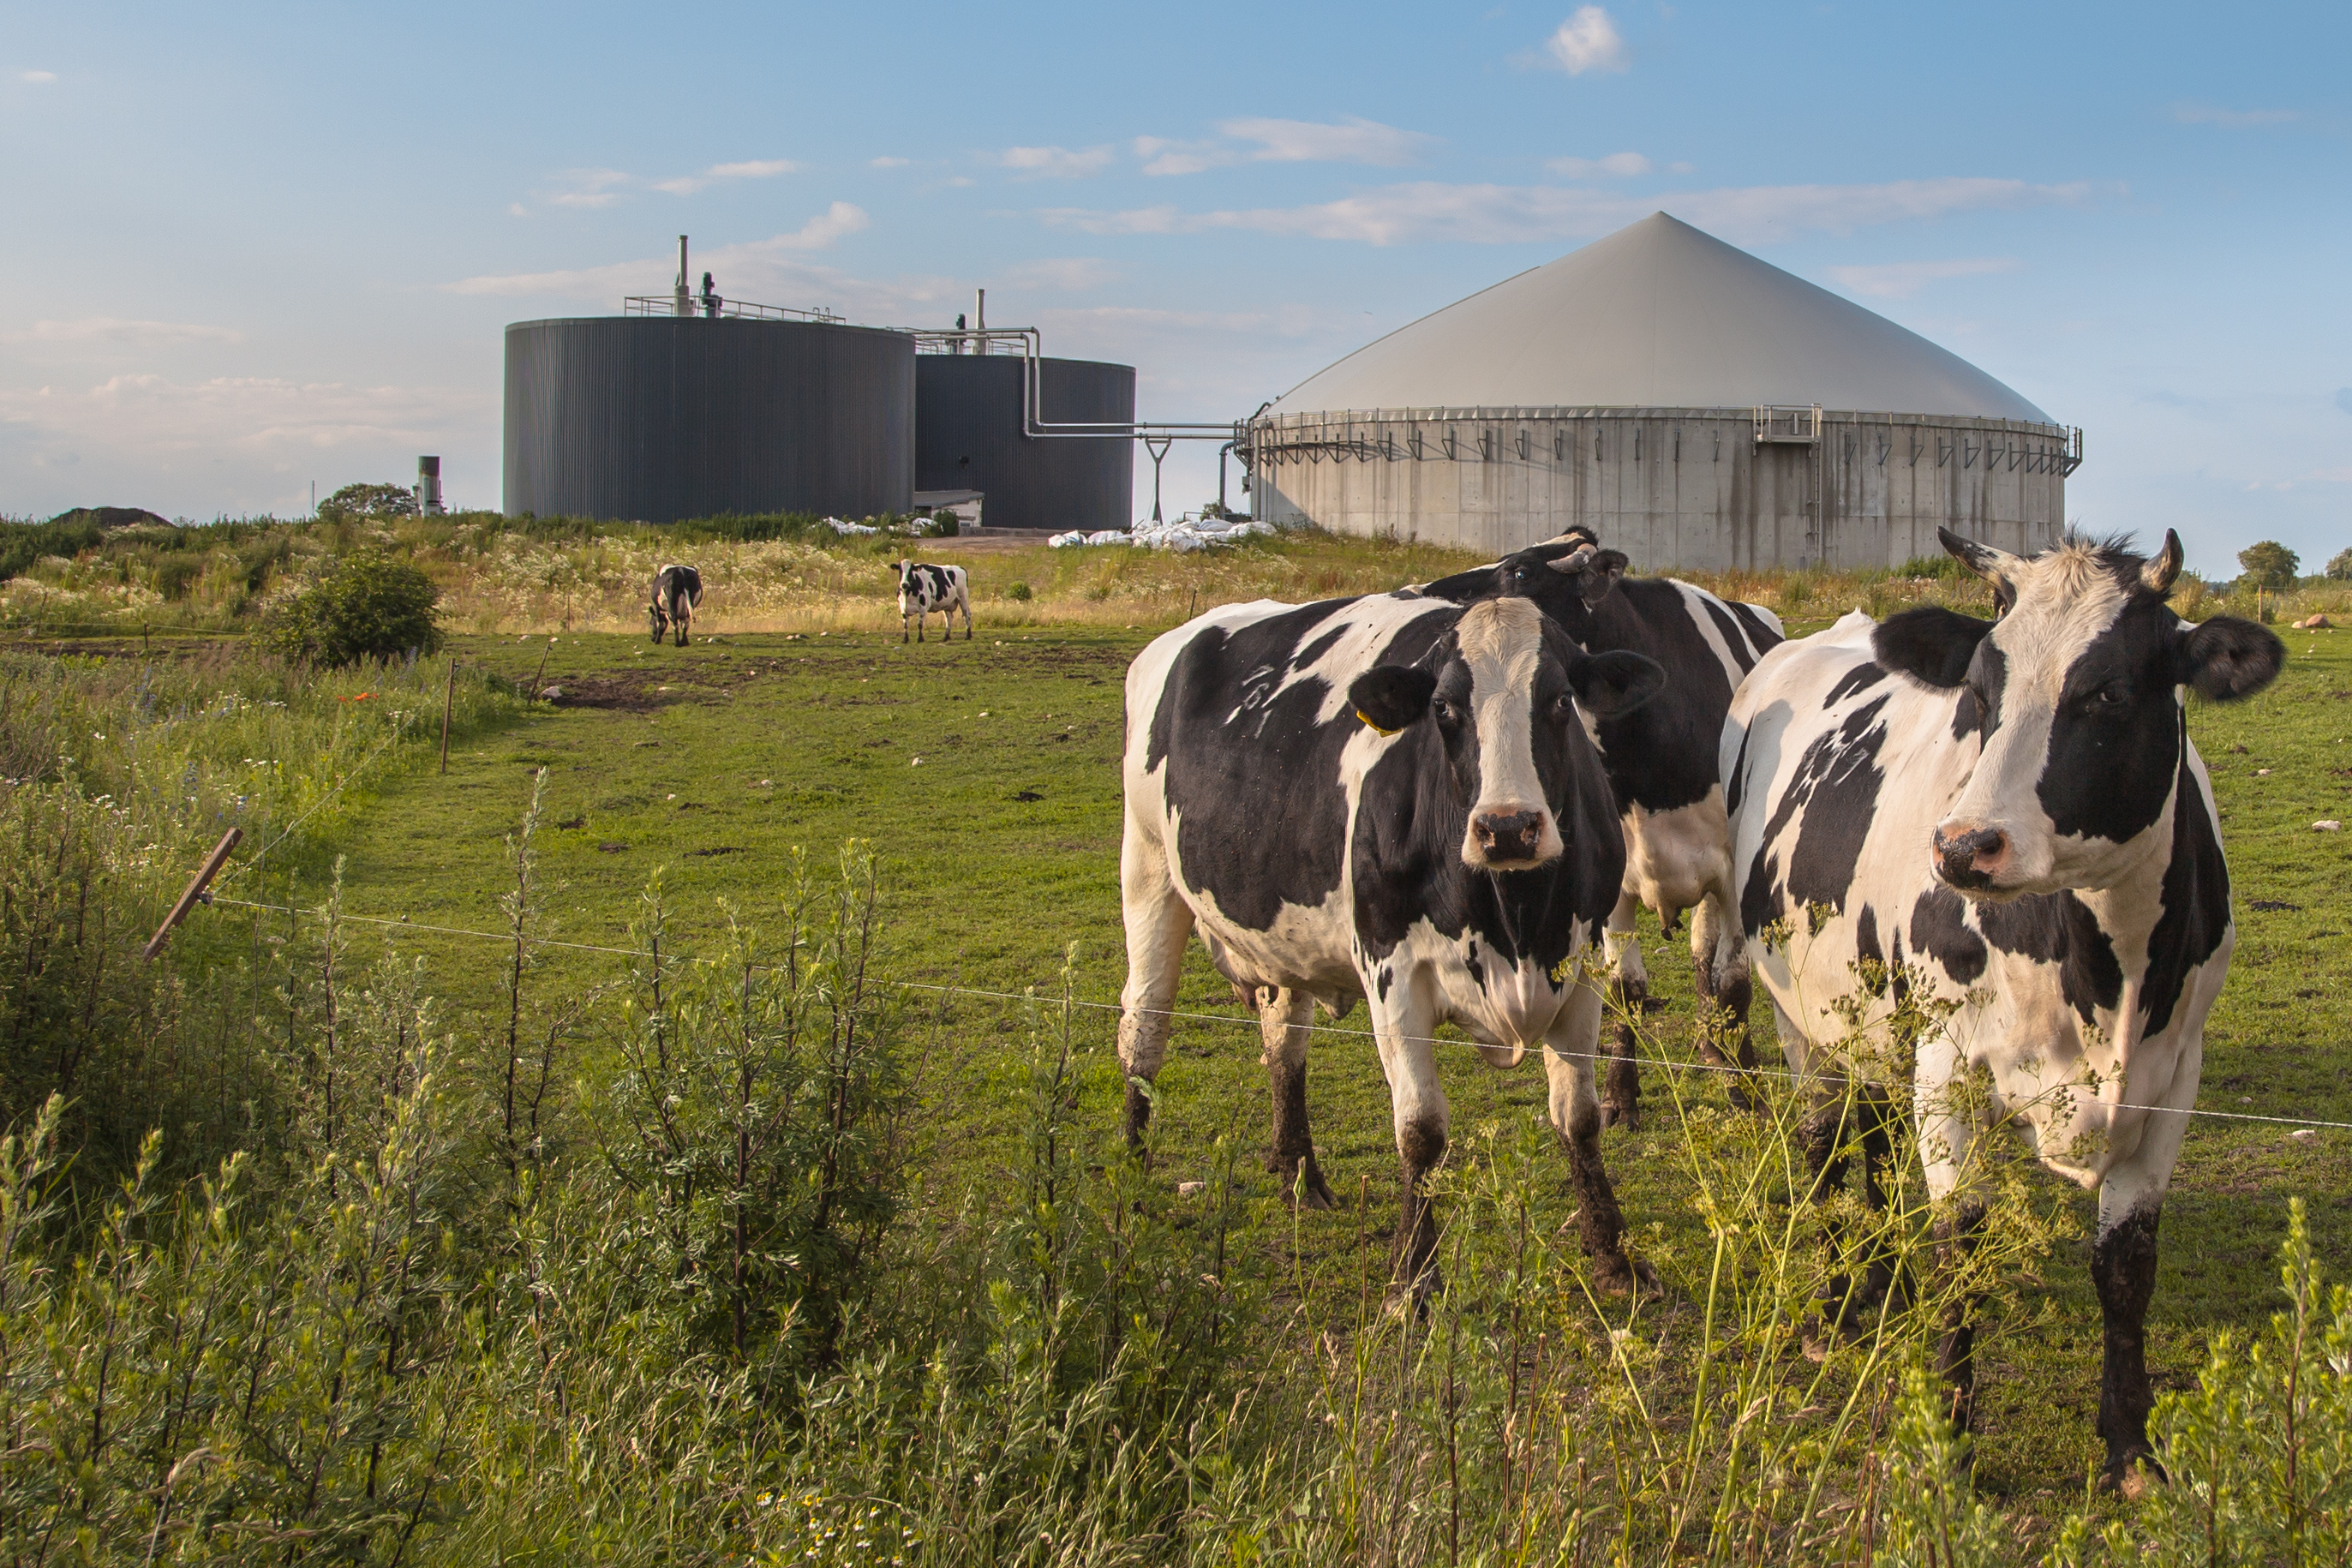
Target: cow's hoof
{"points": [[1746, 1096], [2133, 1477], [1618, 1275], [1623, 1116], [1316, 1195]]}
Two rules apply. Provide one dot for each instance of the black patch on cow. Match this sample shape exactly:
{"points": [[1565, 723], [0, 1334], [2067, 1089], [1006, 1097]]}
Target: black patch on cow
{"points": [[1987, 683], [1938, 931], [1760, 635], [2196, 904], [1736, 784], [1253, 777], [1861, 678], [1835, 788], [2115, 737], [1728, 630], [1761, 902], [1931, 644], [1866, 936], [2060, 929]]}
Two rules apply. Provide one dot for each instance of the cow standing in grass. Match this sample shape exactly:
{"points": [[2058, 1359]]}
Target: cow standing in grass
{"points": [[678, 590], [1661, 764], [1391, 797], [1996, 834], [922, 589]]}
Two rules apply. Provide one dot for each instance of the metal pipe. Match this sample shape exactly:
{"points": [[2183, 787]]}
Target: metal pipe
{"points": [[685, 306]]}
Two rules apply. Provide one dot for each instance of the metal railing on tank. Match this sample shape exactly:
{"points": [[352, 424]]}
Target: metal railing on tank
{"points": [[721, 310]]}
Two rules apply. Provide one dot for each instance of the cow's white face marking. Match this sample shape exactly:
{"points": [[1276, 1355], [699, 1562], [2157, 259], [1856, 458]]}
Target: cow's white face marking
{"points": [[2065, 601], [1502, 642]]}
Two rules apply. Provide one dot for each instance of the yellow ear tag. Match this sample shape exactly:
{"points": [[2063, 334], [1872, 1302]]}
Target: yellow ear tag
{"points": [[1370, 725]]}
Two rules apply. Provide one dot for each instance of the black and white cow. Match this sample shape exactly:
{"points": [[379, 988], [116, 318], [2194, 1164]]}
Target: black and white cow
{"points": [[922, 589], [1391, 797], [2006, 816], [677, 591], [1662, 765]]}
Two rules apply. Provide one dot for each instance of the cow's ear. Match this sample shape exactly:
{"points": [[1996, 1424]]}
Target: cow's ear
{"points": [[2227, 658], [1610, 684], [1389, 696], [1931, 644], [1600, 577]]}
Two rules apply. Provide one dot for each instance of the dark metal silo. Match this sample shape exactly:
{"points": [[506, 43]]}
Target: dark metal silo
{"points": [[658, 418], [968, 437]]}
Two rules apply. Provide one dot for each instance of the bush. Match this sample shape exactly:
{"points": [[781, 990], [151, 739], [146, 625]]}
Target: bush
{"points": [[1018, 592], [368, 607], [2268, 564], [2339, 566], [369, 500]]}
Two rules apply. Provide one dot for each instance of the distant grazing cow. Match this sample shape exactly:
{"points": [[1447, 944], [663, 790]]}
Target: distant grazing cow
{"points": [[922, 589], [2006, 817], [1391, 797], [1661, 762], [677, 591]]}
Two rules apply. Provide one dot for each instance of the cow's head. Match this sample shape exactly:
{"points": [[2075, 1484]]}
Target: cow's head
{"points": [[906, 570], [1566, 576], [2075, 693], [1501, 691]]}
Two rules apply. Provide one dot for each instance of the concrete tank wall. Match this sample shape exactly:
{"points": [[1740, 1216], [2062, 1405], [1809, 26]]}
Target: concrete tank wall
{"points": [[968, 437], [1673, 488], [658, 418]]}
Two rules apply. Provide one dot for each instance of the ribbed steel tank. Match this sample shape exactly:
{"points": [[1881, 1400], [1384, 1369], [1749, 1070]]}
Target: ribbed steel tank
{"points": [[656, 419], [968, 437]]}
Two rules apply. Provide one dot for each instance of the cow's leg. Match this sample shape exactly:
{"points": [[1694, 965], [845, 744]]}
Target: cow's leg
{"points": [[1573, 1107], [1403, 1022], [2123, 1266], [902, 623], [1282, 1016], [1725, 991], [966, 600], [1158, 923], [1948, 1128], [1629, 991]]}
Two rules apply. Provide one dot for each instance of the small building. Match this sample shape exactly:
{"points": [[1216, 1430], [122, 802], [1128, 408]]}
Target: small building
{"points": [[1698, 407]]}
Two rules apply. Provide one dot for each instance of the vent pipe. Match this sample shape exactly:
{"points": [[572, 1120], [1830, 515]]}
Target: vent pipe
{"points": [[684, 296]]}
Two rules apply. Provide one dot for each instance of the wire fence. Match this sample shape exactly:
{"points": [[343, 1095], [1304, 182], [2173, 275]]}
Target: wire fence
{"points": [[1668, 1064]]}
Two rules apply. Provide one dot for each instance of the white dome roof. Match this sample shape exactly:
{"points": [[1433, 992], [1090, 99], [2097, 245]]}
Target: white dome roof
{"points": [[1657, 315]]}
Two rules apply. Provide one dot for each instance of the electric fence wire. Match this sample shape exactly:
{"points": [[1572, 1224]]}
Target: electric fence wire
{"points": [[1667, 1064]]}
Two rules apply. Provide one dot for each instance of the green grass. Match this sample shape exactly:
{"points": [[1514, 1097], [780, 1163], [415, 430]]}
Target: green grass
{"points": [[719, 758]]}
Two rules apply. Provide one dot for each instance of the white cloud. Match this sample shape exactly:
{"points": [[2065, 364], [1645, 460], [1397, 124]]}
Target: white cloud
{"points": [[1587, 41], [259, 416], [1064, 274], [1503, 214], [2231, 118], [1353, 139], [885, 162], [588, 188], [116, 330], [1616, 165], [762, 168], [1055, 163], [1901, 279], [1350, 140], [36, 76]]}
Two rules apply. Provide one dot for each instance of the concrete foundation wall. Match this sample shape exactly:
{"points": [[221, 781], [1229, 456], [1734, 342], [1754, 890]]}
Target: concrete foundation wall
{"points": [[1673, 488]]}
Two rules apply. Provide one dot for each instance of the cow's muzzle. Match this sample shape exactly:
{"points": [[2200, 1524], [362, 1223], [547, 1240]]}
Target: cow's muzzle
{"points": [[1513, 838], [1971, 857]]}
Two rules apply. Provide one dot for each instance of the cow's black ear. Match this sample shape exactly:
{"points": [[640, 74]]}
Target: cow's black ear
{"points": [[1389, 696], [1610, 684], [1931, 644], [1602, 576], [2227, 658]]}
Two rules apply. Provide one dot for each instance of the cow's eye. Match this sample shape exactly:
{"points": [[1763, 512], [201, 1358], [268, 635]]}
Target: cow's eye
{"points": [[1563, 708], [1442, 711], [2112, 698]]}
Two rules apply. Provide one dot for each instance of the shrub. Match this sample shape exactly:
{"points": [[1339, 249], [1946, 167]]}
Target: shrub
{"points": [[368, 607], [1018, 592], [369, 500], [2268, 564], [2339, 566]]}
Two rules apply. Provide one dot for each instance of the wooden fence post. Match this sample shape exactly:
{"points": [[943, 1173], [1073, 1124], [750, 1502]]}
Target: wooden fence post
{"points": [[196, 886]]}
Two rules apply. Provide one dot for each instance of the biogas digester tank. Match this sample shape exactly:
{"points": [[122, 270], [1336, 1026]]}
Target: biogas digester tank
{"points": [[970, 436], [656, 419]]}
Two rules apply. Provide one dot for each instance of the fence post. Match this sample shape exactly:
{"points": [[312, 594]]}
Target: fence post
{"points": [[449, 699], [196, 886]]}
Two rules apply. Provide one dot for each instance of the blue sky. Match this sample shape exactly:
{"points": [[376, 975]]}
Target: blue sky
{"points": [[255, 246]]}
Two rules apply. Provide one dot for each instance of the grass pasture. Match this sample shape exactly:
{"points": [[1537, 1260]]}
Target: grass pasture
{"points": [[713, 761], [984, 775]]}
